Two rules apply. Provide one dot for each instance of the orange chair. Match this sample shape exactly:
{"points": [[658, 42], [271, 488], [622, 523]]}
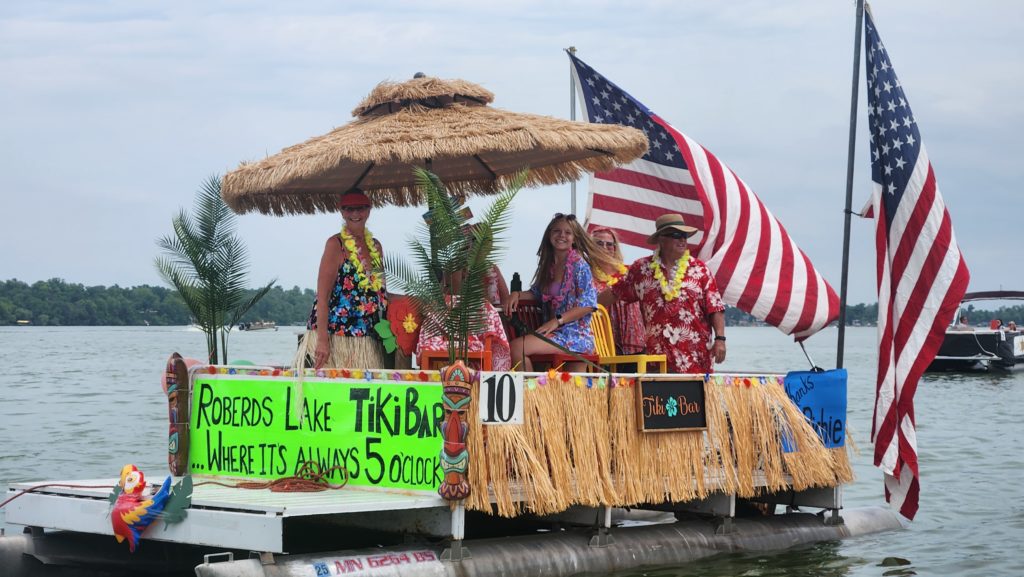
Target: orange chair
{"points": [[604, 339], [435, 359]]}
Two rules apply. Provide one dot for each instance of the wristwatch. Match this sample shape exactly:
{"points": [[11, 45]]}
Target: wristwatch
{"points": [[720, 338], [559, 319]]}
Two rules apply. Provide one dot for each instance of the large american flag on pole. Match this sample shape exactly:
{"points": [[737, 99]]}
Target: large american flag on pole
{"points": [[758, 267], [921, 273]]}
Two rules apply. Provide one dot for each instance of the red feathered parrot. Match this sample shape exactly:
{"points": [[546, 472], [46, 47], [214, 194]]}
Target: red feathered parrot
{"points": [[133, 512]]}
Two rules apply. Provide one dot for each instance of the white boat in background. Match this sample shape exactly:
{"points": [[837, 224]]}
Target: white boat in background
{"points": [[258, 326]]}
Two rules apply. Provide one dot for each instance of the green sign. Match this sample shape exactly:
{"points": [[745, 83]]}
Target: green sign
{"points": [[385, 434]]}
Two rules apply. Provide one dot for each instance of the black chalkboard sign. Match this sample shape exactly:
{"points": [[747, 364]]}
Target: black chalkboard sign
{"points": [[671, 405]]}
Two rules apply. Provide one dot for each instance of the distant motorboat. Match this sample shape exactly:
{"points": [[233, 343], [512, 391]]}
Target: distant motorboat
{"points": [[23, 323], [967, 348], [258, 326]]}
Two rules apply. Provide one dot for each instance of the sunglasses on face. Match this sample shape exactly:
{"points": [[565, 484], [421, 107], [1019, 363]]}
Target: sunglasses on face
{"points": [[360, 208], [605, 243], [675, 234]]}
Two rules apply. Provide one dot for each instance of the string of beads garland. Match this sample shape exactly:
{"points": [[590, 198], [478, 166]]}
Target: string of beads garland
{"points": [[670, 293], [610, 279], [373, 280]]}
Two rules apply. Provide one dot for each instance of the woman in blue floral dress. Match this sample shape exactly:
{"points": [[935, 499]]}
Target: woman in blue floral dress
{"points": [[351, 296], [564, 283]]}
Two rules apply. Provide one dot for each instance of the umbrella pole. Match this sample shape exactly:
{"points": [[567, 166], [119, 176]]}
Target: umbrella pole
{"points": [[572, 116], [429, 166]]}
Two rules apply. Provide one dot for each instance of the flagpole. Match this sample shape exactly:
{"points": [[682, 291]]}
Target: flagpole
{"points": [[848, 213], [572, 115]]}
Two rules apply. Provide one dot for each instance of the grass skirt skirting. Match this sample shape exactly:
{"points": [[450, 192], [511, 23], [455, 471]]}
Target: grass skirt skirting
{"points": [[582, 446], [346, 352]]}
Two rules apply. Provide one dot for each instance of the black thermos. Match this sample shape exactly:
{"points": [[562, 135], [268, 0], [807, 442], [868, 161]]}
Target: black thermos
{"points": [[517, 283]]}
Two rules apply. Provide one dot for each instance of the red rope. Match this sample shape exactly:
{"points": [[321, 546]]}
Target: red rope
{"points": [[310, 478]]}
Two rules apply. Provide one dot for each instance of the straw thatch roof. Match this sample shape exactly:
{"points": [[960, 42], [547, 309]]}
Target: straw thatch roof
{"points": [[444, 126]]}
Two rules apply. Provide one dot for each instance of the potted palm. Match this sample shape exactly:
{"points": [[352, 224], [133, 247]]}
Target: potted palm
{"points": [[206, 262], [450, 263], [447, 285]]}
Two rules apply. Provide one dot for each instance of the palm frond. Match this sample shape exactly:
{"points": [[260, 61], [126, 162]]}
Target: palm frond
{"points": [[443, 248], [208, 265]]}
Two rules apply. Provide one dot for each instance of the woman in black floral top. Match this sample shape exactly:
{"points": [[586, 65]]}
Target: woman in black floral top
{"points": [[351, 296]]}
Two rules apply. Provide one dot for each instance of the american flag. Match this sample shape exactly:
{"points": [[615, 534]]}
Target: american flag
{"points": [[921, 273], [758, 267]]}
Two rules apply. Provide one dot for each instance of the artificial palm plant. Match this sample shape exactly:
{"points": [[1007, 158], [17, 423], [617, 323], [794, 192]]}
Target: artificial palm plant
{"points": [[208, 265], [452, 260]]}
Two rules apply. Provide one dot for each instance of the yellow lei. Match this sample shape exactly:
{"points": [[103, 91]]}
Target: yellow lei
{"points": [[670, 293], [609, 280], [372, 280]]}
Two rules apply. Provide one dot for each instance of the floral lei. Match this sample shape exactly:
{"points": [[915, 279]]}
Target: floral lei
{"points": [[670, 293], [373, 280], [609, 280], [568, 281]]}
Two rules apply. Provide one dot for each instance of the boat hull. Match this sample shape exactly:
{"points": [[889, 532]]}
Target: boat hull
{"points": [[569, 553], [980, 350], [553, 554]]}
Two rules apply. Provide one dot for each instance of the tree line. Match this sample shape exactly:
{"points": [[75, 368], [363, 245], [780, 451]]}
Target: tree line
{"points": [[56, 302], [981, 317], [856, 315]]}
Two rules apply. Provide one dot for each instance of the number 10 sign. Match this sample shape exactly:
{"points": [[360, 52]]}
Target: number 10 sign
{"points": [[501, 398]]}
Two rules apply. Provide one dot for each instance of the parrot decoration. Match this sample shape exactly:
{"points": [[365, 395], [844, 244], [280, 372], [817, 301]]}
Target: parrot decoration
{"points": [[133, 511]]}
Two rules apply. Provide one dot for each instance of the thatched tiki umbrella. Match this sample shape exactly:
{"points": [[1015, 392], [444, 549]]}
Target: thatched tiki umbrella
{"points": [[444, 126]]}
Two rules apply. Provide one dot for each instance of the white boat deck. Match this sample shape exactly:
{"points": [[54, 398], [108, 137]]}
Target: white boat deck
{"points": [[232, 518], [254, 519]]}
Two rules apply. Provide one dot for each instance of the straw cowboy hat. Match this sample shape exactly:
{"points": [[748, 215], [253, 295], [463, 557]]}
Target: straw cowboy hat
{"points": [[668, 222], [444, 126]]}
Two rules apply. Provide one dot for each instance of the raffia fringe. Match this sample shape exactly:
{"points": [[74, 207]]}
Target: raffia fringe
{"points": [[566, 453], [479, 498], [809, 464], [659, 467], [625, 444], [586, 437], [346, 352]]}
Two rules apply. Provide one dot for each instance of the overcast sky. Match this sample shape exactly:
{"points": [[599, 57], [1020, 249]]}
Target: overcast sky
{"points": [[113, 113]]}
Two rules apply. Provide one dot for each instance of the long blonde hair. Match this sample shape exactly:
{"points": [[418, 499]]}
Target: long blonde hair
{"points": [[619, 259], [582, 243]]}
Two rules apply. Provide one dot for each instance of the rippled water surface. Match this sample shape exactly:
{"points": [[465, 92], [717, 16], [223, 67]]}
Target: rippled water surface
{"points": [[78, 403]]}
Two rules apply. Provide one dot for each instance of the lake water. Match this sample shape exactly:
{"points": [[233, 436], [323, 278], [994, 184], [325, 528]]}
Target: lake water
{"points": [[79, 403]]}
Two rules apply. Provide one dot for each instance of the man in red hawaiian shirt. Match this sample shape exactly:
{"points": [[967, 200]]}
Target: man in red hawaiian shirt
{"points": [[679, 300]]}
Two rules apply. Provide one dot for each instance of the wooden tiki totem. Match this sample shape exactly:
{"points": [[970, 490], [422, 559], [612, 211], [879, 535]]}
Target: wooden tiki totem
{"points": [[176, 385], [456, 380]]}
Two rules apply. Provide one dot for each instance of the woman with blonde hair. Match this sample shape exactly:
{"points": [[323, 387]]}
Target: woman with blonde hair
{"points": [[565, 284], [627, 320]]}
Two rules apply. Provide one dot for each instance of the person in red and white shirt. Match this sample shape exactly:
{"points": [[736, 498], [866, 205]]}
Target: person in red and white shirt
{"points": [[678, 298]]}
